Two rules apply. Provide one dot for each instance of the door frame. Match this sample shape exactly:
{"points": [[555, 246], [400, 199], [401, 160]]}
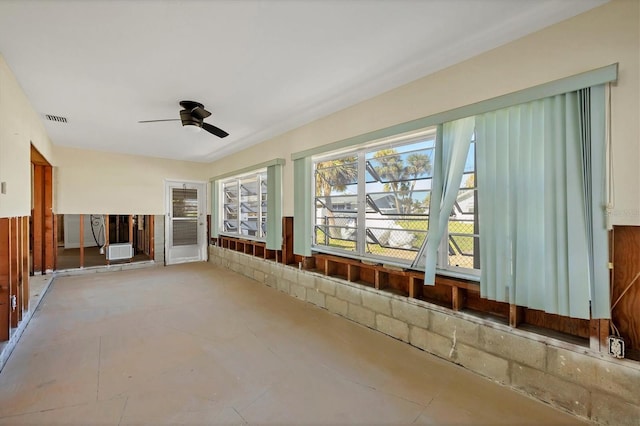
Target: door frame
{"points": [[202, 221]]}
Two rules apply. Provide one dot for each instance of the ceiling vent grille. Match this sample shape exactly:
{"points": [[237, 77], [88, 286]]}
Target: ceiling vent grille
{"points": [[55, 118]]}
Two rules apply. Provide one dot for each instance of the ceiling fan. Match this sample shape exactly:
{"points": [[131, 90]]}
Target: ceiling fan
{"points": [[193, 115]]}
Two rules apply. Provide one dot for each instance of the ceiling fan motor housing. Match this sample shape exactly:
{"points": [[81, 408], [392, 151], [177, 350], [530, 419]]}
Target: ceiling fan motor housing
{"points": [[189, 119]]}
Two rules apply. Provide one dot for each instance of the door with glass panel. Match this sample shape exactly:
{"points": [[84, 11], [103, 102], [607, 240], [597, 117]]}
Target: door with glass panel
{"points": [[185, 233]]}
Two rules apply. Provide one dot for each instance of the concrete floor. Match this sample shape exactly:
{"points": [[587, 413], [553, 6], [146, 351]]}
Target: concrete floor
{"points": [[195, 344]]}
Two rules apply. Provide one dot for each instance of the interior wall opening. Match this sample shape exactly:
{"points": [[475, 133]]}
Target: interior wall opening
{"points": [[89, 240]]}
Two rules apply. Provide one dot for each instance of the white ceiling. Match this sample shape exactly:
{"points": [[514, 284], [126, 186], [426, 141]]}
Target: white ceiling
{"points": [[261, 67]]}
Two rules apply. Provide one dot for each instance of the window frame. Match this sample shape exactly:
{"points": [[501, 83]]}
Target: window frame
{"points": [[260, 177], [272, 234]]}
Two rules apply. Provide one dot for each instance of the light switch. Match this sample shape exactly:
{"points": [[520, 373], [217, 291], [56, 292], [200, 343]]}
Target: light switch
{"points": [[3, 187]]}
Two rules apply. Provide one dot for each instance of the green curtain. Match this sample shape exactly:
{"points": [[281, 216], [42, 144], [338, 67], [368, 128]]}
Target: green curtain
{"points": [[215, 208], [534, 223], [592, 137], [452, 146], [302, 205], [274, 207]]}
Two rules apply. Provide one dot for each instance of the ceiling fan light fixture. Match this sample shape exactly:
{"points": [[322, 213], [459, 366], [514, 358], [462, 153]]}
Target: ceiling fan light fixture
{"points": [[192, 127]]}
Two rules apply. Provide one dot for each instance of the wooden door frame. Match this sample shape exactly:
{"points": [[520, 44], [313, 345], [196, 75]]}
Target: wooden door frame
{"points": [[42, 241]]}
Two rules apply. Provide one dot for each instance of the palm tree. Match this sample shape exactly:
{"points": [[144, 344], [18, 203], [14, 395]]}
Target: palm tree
{"points": [[334, 175], [392, 171], [419, 165]]}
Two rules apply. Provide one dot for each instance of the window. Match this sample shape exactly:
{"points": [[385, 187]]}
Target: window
{"points": [[248, 204], [374, 202], [244, 206]]}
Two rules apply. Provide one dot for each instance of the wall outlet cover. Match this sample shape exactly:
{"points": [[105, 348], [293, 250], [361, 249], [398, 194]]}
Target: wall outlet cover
{"points": [[616, 346]]}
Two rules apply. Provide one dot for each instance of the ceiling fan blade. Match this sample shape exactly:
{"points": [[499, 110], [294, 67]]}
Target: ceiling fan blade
{"points": [[214, 130], [200, 112], [155, 121]]}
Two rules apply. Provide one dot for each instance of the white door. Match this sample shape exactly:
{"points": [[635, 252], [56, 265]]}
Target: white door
{"points": [[186, 231]]}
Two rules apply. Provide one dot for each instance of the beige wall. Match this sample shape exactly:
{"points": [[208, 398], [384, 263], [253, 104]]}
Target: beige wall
{"points": [[597, 38], [20, 126], [92, 182]]}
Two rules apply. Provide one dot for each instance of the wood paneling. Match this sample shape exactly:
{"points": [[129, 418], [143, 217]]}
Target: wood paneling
{"points": [[25, 263], [49, 242], [5, 298], [287, 240], [14, 266], [626, 266], [573, 326]]}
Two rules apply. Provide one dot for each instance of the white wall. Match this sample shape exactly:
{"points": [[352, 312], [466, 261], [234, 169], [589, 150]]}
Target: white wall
{"points": [[92, 182], [20, 126], [600, 37]]}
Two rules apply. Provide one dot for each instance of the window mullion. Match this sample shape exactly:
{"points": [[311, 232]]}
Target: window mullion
{"points": [[362, 205]]}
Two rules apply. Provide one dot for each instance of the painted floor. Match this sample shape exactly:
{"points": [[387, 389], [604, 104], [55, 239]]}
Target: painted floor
{"points": [[196, 344]]}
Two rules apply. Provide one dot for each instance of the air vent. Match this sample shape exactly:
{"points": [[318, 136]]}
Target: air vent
{"points": [[56, 118]]}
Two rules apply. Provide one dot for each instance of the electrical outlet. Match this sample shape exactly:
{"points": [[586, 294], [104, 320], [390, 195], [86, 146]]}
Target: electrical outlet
{"points": [[616, 346]]}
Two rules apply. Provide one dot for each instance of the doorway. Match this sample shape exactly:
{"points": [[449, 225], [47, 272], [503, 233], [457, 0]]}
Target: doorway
{"points": [[185, 233]]}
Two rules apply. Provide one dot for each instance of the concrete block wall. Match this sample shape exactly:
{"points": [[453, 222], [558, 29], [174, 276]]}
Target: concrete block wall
{"points": [[568, 376]]}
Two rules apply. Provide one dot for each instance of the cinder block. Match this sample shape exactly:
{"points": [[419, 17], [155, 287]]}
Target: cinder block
{"points": [[271, 281], [235, 267], [258, 276], [517, 348], [336, 305], [551, 389], [376, 302], [247, 271], [298, 291], [392, 327], [620, 380], [611, 410], [283, 285], [430, 342], [306, 280], [450, 326], [316, 297], [326, 286], [276, 269], [263, 266], [361, 315], [578, 368], [481, 362], [349, 294], [410, 313], [289, 273]]}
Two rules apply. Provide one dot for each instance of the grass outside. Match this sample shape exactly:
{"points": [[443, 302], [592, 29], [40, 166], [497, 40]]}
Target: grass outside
{"points": [[463, 243]]}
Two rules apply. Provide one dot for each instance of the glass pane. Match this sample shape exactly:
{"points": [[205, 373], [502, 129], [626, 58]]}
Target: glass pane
{"points": [[397, 237], [463, 232], [184, 202], [250, 193], [337, 173], [411, 202], [185, 232], [337, 203], [337, 231], [400, 164]]}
